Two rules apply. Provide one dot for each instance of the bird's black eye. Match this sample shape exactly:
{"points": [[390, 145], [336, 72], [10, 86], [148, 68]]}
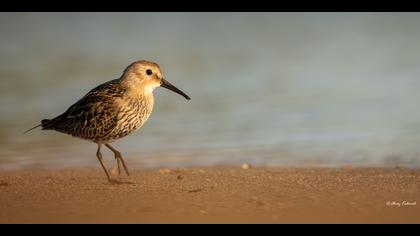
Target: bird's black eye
{"points": [[149, 72]]}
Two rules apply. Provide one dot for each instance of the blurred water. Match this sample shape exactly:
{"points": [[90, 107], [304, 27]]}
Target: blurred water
{"points": [[267, 88]]}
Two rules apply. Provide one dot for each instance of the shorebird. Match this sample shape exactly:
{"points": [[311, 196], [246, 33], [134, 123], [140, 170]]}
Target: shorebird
{"points": [[113, 109]]}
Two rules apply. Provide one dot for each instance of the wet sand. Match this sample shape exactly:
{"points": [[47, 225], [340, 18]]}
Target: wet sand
{"points": [[212, 195]]}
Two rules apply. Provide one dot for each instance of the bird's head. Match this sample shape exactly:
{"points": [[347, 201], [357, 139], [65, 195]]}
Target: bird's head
{"points": [[145, 76]]}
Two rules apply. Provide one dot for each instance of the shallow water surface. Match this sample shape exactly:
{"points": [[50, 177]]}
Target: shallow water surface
{"points": [[267, 89]]}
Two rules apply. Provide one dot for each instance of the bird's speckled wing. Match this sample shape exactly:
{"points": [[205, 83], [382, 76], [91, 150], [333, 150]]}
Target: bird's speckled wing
{"points": [[93, 116]]}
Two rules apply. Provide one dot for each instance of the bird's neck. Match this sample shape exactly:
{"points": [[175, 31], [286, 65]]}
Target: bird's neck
{"points": [[138, 92], [140, 95]]}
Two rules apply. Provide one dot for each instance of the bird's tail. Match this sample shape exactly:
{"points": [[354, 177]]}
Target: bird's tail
{"points": [[43, 123]]}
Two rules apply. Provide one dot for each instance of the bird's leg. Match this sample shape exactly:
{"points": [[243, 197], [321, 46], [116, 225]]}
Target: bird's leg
{"points": [[99, 155], [119, 158], [119, 165]]}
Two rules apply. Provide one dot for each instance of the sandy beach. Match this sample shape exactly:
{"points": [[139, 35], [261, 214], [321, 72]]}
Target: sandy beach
{"points": [[212, 195]]}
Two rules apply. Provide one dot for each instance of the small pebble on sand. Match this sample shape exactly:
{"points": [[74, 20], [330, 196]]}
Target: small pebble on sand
{"points": [[164, 171]]}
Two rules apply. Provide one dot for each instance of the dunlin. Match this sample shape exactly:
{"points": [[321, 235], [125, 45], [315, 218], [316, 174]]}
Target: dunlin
{"points": [[113, 109]]}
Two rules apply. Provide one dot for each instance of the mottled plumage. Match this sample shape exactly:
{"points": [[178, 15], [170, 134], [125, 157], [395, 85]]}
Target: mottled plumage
{"points": [[113, 109], [105, 113]]}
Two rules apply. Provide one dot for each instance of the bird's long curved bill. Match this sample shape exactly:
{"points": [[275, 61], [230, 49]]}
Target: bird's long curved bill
{"points": [[169, 86]]}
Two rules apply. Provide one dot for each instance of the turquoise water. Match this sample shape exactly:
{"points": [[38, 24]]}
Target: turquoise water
{"points": [[268, 89]]}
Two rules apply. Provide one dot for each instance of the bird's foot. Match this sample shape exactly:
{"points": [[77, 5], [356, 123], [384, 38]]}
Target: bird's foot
{"points": [[119, 181], [115, 176]]}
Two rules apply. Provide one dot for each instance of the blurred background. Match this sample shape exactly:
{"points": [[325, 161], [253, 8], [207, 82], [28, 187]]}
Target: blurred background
{"points": [[267, 89]]}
